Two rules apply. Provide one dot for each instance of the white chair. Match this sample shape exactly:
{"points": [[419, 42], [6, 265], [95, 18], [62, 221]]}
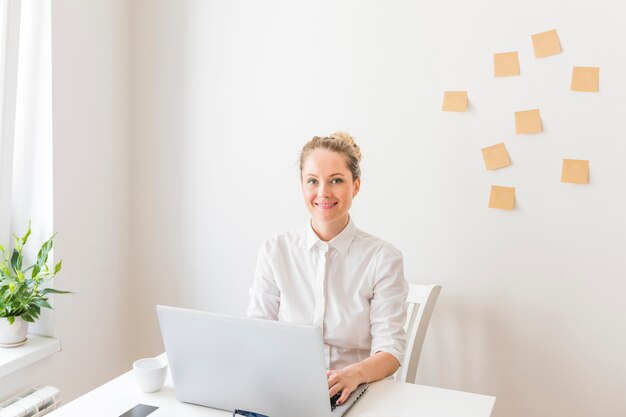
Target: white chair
{"points": [[420, 305]]}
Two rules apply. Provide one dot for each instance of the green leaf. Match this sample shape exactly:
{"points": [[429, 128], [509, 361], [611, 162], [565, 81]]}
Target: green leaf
{"points": [[27, 317], [16, 260], [54, 291], [58, 266], [42, 256], [18, 242], [25, 238]]}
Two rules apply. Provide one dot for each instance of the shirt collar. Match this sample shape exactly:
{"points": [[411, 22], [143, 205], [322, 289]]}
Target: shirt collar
{"points": [[342, 241]]}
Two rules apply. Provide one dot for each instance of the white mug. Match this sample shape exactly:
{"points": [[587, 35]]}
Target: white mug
{"points": [[150, 374]]}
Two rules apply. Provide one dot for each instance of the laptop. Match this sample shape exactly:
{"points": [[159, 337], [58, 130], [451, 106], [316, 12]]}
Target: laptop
{"points": [[272, 368]]}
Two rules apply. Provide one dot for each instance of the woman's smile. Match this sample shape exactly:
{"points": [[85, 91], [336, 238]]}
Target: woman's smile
{"points": [[326, 206]]}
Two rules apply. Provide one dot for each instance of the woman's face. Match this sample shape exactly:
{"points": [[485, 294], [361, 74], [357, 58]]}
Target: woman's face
{"points": [[327, 187]]}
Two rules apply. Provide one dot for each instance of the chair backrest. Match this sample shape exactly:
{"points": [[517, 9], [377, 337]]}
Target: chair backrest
{"points": [[420, 305]]}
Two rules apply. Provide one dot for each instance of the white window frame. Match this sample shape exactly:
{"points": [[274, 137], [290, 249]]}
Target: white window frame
{"points": [[38, 347], [9, 48]]}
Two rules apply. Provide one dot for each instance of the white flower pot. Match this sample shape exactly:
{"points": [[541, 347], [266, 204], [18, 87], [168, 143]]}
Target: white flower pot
{"points": [[12, 335]]}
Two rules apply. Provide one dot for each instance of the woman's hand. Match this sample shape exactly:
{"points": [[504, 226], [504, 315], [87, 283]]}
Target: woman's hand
{"points": [[374, 368], [345, 381]]}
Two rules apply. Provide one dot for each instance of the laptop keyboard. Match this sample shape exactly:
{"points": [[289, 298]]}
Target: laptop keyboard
{"points": [[333, 401]]}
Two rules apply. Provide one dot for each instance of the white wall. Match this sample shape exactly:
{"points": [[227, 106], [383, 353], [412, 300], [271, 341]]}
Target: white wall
{"points": [[227, 92], [91, 131], [155, 178]]}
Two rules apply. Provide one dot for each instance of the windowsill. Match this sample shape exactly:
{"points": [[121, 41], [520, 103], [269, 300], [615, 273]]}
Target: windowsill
{"points": [[35, 349]]}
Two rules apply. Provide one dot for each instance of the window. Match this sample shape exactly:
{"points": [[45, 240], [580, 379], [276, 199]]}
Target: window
{"points": [[26, 147], [26, 127], [9, 42]]}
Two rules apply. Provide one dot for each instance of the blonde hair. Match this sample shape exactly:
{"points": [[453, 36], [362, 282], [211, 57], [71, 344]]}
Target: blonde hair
{"points": [[339, 142]]}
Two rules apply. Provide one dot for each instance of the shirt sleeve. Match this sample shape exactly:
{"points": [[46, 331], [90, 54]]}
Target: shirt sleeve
{"points": [[388, 305], [264, 293]]}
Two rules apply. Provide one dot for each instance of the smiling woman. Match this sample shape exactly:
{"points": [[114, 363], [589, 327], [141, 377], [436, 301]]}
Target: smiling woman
{"points": [[335, 276], [328, 185]]}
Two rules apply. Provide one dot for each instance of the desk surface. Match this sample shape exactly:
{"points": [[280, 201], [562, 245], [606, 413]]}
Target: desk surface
{"points": [[383, 399]]}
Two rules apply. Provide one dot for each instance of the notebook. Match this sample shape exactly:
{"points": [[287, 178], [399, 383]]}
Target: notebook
{"points": [[232, 363]]}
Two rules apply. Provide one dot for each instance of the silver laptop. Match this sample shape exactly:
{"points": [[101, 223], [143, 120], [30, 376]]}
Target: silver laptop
{"points": [[233, 363]]}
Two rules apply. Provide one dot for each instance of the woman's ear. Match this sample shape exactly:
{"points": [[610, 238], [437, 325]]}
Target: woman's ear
{"points": [[357, 187]]}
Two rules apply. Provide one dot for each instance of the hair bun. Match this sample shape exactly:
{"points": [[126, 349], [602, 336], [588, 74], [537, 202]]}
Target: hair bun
{"points": [[339, 142], [346, 138]]}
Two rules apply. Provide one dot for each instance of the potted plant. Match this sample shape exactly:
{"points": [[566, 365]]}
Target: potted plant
{"points": [[22, 289]]}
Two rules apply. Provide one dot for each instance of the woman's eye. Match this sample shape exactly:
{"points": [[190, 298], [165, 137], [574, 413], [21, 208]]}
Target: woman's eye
{"points": [[336, 181], [311, 181]]}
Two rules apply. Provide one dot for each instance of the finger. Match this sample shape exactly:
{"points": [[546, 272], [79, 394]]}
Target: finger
{"points": [[344, 395], [334, 390], [333, 379]]}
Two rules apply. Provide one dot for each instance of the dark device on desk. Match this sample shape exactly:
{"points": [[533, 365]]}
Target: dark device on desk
{"points": [[140, 410]]}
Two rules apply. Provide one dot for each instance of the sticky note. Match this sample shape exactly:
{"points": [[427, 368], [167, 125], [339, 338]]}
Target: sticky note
{"points": [[575, 171], [496, 157], [528, 121], [502, 197], [505, 64], [454, 101], [585, 79], [546, 44]]}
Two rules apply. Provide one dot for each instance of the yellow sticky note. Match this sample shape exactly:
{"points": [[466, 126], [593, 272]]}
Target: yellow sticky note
{"points": [[575, 171], [502, 197], [546, 44], [496, 157], [505, 64], [585, 79], [454, 101], [528, 121]]}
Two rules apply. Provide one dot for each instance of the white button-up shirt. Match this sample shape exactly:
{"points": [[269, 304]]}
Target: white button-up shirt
{"points": [[352, 286]]}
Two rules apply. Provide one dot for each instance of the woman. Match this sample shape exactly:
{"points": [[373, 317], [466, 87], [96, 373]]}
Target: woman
{"points": [[334, 275]]}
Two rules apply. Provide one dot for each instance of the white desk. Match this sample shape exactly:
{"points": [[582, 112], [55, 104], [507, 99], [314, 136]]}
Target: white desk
{"points": [[383, 399]]}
